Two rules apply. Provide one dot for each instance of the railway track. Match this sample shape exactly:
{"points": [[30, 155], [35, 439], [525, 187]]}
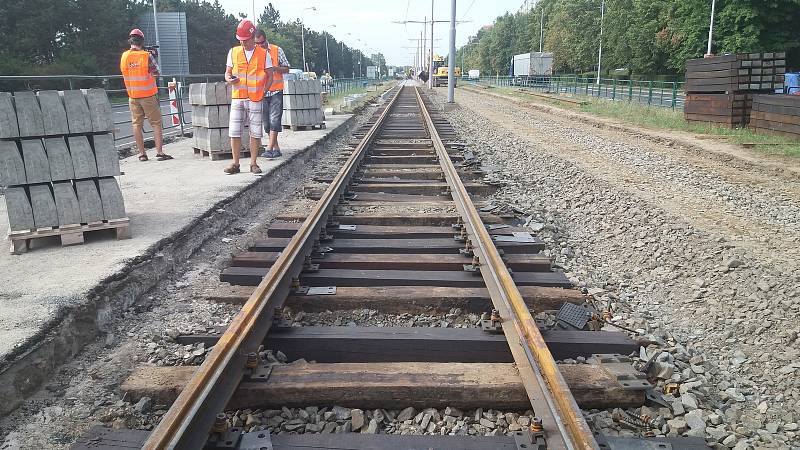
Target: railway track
{"points": [[398, 229]]}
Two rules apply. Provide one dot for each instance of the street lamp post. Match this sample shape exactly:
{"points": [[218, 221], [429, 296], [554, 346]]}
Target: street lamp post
{"points": [[541, 32], [327, 55], [303, 34], [600, 50], [711, 28]]}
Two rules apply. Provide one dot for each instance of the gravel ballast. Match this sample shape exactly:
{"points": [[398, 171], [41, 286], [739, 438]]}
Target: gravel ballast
{"points": [[698, 253]]}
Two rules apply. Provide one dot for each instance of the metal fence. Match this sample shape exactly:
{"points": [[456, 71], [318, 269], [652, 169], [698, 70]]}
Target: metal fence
{"points": [[115, 87], [667, 94]]}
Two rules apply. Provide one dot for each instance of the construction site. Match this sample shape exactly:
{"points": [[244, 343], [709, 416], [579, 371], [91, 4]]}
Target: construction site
{"points": [[450, 244]]}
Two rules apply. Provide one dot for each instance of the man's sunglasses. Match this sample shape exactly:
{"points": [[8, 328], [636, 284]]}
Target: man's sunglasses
{"points": [[261, 42]]}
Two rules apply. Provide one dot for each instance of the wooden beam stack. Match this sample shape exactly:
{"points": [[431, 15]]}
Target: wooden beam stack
{"points": [[776, 114], [720, 89]]}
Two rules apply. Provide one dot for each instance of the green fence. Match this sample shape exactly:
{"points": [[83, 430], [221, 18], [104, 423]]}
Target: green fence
{"points": [[667, 94]]}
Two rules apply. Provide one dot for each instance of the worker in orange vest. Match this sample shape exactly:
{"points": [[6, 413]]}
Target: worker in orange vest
{"points": [[246, 71], [139, 69], [273, 98]]}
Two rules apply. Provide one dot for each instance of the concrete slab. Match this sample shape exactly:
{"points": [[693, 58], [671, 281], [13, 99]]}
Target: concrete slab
{"points": [[29, 115], [105, 155], [53, 113], [80, 121], [82, 157], [18, 213], [99, 109], [12, 168], [59, 158], [37, 168], [43, 206], [111, 196], [51, 287], [8, 117], [89, 201], [67, 206]]}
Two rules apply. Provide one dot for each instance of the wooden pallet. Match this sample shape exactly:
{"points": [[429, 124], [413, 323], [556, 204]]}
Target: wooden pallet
{"points": [[216, 156], [320, 126], [70, 234]]}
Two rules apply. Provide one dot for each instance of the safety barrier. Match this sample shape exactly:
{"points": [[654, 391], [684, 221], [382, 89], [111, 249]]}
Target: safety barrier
{"points": [[667, 94]]}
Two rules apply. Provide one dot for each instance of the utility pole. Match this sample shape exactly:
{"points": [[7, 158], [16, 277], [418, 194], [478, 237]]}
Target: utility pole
{"points": [[711, 29], [451, 59], [541, 32], [430, 73], [155, 26], [421, 44], [600, 51]]}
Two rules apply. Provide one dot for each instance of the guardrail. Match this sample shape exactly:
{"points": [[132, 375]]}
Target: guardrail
{"points": [[115, 87], [667, 94]]}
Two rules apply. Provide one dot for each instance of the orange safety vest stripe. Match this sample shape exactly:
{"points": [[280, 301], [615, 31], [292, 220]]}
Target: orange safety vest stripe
{"points": [[135, 68], [252, 74], [277, 77]]}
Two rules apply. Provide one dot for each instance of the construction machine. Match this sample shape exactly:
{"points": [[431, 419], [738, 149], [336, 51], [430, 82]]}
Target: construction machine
{"points": [[440, 72]]}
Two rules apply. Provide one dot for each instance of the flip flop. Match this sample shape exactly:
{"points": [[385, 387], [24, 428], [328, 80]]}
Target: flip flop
{"points": [[143, 158], [163, 157]]}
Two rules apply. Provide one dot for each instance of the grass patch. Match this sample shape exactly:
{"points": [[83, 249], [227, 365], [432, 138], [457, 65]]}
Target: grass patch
{"points": [[667, 119]]}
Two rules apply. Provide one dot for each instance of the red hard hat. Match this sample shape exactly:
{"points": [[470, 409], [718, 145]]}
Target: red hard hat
{"points": [[245, 30], [136, 32]]}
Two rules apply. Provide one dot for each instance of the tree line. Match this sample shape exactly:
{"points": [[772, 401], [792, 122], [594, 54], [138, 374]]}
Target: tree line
{"points": [[87, 37], [645, 37]]}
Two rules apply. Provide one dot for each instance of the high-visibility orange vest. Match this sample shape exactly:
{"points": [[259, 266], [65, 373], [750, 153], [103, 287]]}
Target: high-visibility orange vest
{"points": [[252, 75], [135, 68], [277, 77]]}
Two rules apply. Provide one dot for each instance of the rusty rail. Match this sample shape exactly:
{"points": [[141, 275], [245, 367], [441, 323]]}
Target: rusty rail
{"points": [[547, 383], [187, 424]]}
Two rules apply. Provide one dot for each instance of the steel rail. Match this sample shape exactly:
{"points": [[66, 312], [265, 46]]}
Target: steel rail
{"points": [[187, 424], [506, 297]]}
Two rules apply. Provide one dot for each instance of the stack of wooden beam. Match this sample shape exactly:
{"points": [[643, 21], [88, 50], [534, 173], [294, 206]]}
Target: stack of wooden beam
{"points": [[302, 105], [776, 114], [210, 117], [720, 89], [58, 160]]}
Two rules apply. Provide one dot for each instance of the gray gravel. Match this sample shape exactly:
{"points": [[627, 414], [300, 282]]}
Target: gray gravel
{"points": [[620, 215], [86, 391]]}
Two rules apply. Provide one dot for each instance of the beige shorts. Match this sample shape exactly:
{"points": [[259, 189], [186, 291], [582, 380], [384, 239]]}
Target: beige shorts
{"points": [[145, 107]]}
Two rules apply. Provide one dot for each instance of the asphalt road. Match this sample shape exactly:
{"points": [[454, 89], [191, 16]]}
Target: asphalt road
{"points": [[122, 121]]}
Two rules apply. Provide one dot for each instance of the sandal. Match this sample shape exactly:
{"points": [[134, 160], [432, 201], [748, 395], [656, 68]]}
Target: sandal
{"points": [[254, 168], [232, 169], [163, 156], [143, 157]]}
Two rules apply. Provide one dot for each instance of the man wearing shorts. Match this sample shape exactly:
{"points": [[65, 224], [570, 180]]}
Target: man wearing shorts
{"points": [[246, 71], [139, 69], [273, 98]]}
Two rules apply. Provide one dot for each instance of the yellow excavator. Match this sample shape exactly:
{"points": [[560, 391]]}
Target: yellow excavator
{"points": [[440, 72]]}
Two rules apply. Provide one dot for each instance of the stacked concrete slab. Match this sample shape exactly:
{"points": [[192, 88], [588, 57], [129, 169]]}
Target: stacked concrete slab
{"points": [[302, 104], [210, 117], [58, 161]]}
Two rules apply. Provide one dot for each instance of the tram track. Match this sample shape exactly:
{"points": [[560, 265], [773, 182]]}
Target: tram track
{"points": [[406, 154]]}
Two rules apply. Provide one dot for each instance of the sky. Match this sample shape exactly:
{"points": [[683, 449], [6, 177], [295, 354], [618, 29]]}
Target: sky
{"points": [[370, 22]]}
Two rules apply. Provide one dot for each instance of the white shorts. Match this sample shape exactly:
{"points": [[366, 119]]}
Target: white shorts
{"points": [[242, 108]]}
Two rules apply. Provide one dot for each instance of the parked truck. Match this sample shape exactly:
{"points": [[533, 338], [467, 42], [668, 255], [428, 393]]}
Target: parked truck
{"points": [[529, 68]]}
